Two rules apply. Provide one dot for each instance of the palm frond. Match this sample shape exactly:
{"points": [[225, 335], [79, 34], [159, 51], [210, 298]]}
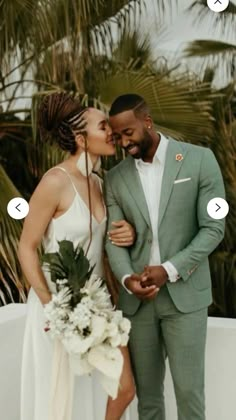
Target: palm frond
{"points": [[203, 48], [215, 54], [224, 21], [10, 273], [180, 107]]}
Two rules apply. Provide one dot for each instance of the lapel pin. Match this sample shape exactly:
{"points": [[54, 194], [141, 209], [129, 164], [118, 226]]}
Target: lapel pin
{"points": [[179, 157]]}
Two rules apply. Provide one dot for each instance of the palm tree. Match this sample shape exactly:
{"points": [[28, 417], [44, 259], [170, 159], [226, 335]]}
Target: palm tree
{"points": [[36, 40], [98, 53], [215, 53]]}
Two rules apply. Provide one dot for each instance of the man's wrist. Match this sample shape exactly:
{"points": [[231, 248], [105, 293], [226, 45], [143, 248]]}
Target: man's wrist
{"points": [[126, 276], [172, 273]]}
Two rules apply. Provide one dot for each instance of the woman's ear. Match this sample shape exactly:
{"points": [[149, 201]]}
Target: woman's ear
{"points": [[80, 141]]}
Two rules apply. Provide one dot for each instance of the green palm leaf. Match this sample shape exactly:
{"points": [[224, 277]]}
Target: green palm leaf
{"points": [[69, 263], [180, 106], [12, 285]]}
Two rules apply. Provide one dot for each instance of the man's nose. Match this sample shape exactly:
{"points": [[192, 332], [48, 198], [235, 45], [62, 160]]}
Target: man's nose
{"points": [[124, 142]]}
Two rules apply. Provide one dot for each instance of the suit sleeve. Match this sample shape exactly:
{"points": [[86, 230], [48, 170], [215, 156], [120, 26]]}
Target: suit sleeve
{"points": [[211, 231], [119, 258]]}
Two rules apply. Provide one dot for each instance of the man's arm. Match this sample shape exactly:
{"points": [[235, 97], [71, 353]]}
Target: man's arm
{"points": [[211, 231], [119, 258]]}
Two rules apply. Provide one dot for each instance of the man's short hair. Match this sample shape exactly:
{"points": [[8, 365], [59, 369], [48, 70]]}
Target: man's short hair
{"points": [[129, 102]]}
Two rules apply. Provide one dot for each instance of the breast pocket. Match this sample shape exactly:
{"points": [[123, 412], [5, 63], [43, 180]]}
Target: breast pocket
{"points": [[182, 180], [184, 194]]}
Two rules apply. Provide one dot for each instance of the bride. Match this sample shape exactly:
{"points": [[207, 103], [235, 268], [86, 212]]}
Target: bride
{"points": [[67, 204]]}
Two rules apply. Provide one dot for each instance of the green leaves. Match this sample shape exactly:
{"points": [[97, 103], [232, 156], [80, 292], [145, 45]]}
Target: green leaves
{"points": [[12, 286], [69, 263]]}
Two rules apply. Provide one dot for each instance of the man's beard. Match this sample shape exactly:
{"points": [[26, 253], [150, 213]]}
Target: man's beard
{"points": [[143, 146]]}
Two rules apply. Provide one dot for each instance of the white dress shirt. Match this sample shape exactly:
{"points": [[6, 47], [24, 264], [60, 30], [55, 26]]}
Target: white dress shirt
{"points": [[151, 175]]}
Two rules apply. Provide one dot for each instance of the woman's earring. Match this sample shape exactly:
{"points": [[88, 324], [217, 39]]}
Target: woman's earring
{"points": [[97, 165], [81, 164]]}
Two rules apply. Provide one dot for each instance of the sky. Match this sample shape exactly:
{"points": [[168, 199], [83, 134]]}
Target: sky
{"points": [[184, 27]]}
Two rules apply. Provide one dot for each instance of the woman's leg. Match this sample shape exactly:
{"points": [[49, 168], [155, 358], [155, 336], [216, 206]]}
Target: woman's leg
{"points": [[115, 408]]}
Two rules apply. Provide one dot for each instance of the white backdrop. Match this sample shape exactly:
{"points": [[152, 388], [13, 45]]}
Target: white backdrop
{"points": [[220, 368]]}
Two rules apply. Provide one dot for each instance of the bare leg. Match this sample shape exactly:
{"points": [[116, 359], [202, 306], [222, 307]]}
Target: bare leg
{"points": [[115, 408]]}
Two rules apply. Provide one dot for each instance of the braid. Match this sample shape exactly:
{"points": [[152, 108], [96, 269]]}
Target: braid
{"points": [[59, 117]]}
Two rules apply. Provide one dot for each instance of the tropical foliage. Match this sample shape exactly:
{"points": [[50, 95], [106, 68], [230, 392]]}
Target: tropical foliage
{"points": [[94, 48]]}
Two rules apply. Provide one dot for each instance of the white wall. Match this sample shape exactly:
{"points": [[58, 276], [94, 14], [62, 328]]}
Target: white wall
{"points": [[220, 368]]}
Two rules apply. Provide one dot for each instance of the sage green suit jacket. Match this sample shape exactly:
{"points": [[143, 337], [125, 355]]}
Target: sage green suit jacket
{"points": [[186, 233]]}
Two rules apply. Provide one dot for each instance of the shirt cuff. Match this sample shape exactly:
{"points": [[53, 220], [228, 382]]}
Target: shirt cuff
{"points": [[123, 283], [173, 274]]}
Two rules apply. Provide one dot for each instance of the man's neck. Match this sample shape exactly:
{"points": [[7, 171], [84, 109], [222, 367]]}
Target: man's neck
{"points": [[151, 153]]}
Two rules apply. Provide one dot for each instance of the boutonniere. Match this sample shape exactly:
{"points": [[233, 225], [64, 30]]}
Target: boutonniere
{"points": [[179, 157]]}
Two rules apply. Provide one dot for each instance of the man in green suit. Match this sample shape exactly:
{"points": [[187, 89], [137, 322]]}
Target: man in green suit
{"points": [[163, 188]]}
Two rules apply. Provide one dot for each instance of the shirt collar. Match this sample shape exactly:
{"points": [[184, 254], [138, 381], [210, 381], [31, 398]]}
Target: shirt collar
{"points": [[160, 154]]}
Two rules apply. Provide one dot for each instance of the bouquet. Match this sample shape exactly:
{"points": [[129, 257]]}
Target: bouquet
{"points": [[82, 317]]}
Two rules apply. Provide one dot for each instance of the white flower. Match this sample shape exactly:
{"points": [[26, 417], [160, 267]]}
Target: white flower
{"points": [[112, 329], [88, 302], [97, 293], [80, 316], [106, 359], [117, 316], [77, 344], [115, 341], [62, 282], [63, 297], [98, 328], [125, 325], [124, 338]]}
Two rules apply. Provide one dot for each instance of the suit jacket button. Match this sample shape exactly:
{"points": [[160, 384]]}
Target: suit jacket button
{"points": [[149, 241]]}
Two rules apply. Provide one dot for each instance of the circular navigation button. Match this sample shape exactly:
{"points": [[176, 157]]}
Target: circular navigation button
{"points": [[217, 208], [217, 5], [18, 208]]}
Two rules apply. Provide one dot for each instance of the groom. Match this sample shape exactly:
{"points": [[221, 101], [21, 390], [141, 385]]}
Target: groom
{"points": [[162, 188]]}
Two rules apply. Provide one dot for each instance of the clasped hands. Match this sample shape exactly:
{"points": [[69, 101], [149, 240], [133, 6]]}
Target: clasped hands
{"points": [[147, 284]]}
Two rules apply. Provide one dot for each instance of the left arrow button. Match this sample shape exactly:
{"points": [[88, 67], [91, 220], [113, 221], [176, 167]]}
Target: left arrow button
{"points": [[18, 208]]}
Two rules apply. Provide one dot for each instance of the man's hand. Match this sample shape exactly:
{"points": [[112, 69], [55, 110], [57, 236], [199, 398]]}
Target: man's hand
{"points": [[123, 233], [133, 283], [154, 275]]}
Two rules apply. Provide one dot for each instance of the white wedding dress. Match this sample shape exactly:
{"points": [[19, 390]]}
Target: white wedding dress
{"points": [[88, 397]]}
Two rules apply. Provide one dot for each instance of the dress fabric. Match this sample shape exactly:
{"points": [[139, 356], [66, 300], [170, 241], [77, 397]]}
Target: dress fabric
{"points": [[88, 397]]}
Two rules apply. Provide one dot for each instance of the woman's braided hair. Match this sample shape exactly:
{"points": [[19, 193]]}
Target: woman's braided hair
{"points": [[60, 116]]}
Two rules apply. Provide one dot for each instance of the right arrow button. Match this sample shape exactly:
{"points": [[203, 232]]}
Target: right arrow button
{"points": [[217, 208]]}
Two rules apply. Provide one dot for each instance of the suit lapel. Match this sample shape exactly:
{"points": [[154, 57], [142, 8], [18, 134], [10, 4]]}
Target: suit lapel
{"points": [[175, 151], [132, 180]]}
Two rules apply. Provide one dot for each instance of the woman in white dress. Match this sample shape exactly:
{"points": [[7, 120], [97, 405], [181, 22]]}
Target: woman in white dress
{"points": [[67, 204]]}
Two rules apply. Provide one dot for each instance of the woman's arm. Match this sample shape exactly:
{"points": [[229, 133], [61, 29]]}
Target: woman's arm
{"points": [[43, 204]]}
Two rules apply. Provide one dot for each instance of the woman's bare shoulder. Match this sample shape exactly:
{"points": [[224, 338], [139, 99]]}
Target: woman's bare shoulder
{"points": [[53, 180]]}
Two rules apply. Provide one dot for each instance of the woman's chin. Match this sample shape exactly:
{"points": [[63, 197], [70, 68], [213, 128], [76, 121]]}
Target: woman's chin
{"points": [[110, 152]]}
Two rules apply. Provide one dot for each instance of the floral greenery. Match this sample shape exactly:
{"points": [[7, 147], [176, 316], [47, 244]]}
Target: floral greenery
{"points": [[69, 263]]}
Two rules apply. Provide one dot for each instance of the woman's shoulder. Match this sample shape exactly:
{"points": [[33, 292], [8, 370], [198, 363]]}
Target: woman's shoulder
{"points": [[54, 179]]}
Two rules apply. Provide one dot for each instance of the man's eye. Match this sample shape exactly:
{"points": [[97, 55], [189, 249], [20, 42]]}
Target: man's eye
{"points": [[129, 132]]}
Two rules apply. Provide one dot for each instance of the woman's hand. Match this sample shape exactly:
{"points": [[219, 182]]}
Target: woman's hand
{"points": [[123, 234]]}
